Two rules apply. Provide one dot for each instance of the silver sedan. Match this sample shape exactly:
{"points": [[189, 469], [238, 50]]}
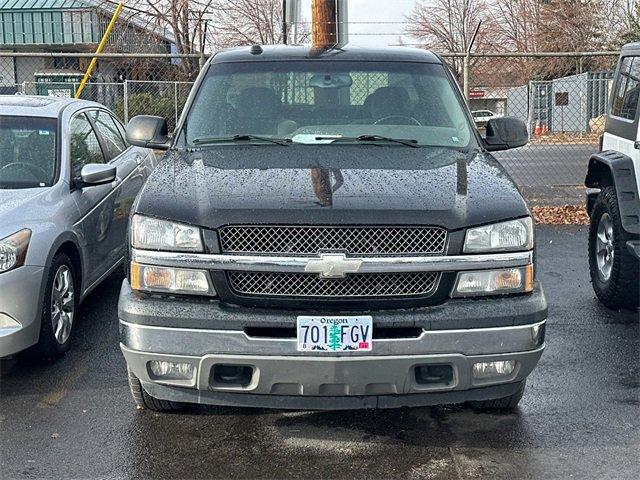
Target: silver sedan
{"points": [[67, 182]]}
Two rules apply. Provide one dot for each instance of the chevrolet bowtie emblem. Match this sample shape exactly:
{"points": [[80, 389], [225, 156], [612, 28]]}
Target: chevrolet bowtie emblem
{"points": [[333, 265]]}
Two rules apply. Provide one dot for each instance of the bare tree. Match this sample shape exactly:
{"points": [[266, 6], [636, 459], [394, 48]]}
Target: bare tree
{"points": [[518, 23], [628, 13], [449, 25], [183, 20], [517, 29], [572, 26], [247, 22]]}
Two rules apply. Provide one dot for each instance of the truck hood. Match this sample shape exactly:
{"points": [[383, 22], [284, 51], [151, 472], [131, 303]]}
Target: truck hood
{"points": [[330, 184]]}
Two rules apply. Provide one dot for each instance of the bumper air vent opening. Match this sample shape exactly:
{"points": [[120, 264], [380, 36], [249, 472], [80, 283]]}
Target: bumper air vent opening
{"points": [[434, 375], [226, 375]]}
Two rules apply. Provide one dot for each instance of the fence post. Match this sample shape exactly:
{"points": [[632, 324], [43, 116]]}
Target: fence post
{"points": [[530, 107], [175, 101], [465, 75], [126, 101]]}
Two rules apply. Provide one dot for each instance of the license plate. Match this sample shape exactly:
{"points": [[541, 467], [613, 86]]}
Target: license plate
{"points": [[334, 334]]}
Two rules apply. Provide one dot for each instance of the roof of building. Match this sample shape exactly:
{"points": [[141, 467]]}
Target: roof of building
{"points": [[631, 46], [38, 106], [44, 4], [345, 53], [23, 29]]}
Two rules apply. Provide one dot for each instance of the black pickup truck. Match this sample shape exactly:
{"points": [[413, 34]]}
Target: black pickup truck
{"points": [[328, 230]]}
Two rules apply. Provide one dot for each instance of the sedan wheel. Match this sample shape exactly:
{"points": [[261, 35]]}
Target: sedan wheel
{"points": [[59, 308], [62, 304]]}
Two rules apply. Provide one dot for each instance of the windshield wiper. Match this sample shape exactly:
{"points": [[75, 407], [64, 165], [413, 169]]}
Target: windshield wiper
{"points": [[241, 138], [372, 138]]}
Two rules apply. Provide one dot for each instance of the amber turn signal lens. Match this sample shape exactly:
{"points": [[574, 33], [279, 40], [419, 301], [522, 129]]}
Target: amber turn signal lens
{"points": [[153, 278], [528, 278]]}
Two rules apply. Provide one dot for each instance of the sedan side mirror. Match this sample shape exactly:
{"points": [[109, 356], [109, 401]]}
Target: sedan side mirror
{"points": [[148, 131], [504, 133], [95, 174]]}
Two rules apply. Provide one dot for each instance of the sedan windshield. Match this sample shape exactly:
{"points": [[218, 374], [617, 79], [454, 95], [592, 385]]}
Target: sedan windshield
{"points": [[327, 102], [27, 151]]}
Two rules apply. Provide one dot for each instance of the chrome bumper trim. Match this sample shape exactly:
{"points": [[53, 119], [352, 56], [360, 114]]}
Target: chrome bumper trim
{"points": [[259, 263], [198, 342]]}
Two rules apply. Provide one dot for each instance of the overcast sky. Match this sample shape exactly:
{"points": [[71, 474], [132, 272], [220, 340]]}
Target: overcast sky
{"points": [[373, 11]]}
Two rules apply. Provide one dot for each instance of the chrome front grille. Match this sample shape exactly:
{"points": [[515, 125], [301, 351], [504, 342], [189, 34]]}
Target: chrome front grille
{"points": [[354, 285], [311, 240]]}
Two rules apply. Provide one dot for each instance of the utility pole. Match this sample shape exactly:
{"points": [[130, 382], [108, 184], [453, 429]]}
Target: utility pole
{"points": [[324, 35], [324, 24]]}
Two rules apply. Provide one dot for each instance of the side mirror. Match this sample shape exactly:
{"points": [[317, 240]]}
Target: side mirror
{"points": [[504, 133], [148, 131], [96, 174]]}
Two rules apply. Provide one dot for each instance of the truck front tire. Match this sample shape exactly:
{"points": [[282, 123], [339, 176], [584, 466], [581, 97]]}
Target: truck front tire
{"points": [[144, 401], [504, 404], [614, 271]]}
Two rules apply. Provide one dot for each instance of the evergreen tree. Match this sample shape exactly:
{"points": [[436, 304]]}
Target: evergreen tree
{"points": [[334, 337]]}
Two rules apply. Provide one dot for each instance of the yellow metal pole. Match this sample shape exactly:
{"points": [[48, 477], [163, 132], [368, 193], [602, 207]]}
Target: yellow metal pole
{"points": [[101, 45]]}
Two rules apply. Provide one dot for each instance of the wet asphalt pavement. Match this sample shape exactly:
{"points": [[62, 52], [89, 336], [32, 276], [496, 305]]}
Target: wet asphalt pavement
{"points": [[580, 417]]}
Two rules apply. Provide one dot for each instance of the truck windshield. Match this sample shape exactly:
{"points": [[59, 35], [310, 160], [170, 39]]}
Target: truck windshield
{"points": [[27, 151], [325, 102]]}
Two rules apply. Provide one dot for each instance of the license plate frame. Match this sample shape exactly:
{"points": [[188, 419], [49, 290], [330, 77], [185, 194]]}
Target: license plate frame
{"points": [[334, 333]]}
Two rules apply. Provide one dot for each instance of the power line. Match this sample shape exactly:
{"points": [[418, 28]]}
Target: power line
{"points": [[207, 15]]}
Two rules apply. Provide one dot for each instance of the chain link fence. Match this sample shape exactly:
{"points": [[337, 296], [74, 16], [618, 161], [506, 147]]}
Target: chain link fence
{"points": [[561, 97]]}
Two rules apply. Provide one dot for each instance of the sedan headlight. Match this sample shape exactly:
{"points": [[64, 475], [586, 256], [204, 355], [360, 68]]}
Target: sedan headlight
{"points": [[154, 234], [13, 250], [500, 237]]}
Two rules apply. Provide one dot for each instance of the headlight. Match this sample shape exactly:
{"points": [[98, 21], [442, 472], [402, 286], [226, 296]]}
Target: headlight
{"points": [[153, 234], [500, 237], [13, 250], [494, 282], [170, 280]]}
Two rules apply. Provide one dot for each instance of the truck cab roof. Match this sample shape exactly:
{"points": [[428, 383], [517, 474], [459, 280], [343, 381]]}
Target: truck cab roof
{"points": [[273, 53]]}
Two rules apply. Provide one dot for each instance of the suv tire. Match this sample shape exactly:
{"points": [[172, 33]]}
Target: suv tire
{"points": [[59, 309], [144, 401], [614, 271], [504, 404]]}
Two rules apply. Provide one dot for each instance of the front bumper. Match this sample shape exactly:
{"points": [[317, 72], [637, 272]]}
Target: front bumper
{"points": [[328, 402], [21, 292], [282, 377]]}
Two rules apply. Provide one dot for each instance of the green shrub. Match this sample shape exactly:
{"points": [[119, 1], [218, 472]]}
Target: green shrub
{"points": [[149, 104]]}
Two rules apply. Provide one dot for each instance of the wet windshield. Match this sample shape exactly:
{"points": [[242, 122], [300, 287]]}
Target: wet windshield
{"points": [[316, 102], [27, 152]]}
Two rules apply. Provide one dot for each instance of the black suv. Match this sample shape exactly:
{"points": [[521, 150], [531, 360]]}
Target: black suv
{"points": [[326, 231]]}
